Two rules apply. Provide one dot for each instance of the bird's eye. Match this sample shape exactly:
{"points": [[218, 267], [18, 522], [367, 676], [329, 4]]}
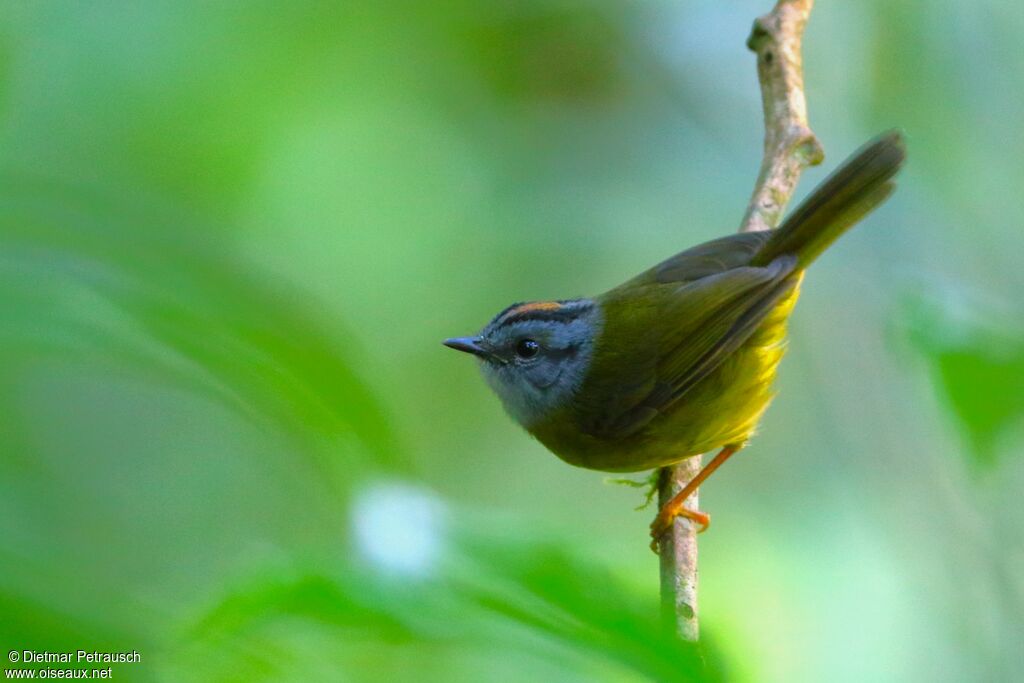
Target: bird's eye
{"points": [[527, 348]]}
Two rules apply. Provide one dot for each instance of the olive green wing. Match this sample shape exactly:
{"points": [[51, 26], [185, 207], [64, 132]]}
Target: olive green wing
{"points": [[701, 322], [709, 258]]}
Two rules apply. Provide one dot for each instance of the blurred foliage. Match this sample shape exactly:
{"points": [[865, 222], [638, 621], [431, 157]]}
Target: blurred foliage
{"points": [[979, 371], [505, 601], [549, 53], [232, 236]]}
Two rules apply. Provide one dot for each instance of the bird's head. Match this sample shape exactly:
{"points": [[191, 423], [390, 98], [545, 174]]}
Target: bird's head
{"points": [[536, 355]]}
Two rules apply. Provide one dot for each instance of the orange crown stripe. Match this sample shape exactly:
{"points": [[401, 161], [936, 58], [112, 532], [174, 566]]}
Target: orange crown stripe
{"points": [[535, 306]]}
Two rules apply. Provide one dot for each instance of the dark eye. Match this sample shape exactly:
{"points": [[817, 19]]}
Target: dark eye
{"points": [[527, 348]]}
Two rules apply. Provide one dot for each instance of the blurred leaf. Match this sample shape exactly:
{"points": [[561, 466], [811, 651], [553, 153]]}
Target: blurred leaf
{"points": [[86, 275], [985, 388], [531, 51], [40, 622], [585, 606], [104, 283], [979, 369], [503, 596]]}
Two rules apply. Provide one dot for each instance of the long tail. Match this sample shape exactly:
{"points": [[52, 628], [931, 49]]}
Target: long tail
{"points": [[853, 190]]}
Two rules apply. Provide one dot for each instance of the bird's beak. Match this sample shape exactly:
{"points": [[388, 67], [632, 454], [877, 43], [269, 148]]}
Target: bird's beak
{"points": [[467, 344]]}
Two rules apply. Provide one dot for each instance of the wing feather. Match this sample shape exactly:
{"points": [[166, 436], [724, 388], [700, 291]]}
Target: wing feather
{"points": [[710, 317]]}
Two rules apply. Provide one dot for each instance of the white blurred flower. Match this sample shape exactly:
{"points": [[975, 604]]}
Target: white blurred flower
{"points": [[399, 528]]}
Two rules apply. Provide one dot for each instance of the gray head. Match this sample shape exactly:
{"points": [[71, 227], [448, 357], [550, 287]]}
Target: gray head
{"points": [[535, 355]]}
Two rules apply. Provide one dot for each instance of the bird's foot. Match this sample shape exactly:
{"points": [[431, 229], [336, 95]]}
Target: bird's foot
{"points": [[662, 524]]}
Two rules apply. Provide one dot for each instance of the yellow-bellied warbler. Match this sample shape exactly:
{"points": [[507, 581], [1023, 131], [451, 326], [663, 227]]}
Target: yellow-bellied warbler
{"points": [[680, 359]]}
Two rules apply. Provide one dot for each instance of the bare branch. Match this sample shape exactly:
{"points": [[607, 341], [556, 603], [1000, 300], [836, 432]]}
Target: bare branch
{"points": [[678, 554], [789, 144], [789, 147]]}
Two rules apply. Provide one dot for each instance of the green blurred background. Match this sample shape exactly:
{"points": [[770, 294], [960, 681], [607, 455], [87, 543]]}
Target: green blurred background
{"points": [[232, 236]]}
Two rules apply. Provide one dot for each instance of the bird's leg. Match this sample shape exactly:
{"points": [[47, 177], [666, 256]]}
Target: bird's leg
{"points": [[675, 507]]}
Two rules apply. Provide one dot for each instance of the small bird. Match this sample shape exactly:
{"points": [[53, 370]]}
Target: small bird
{"points": [[679, 360]]}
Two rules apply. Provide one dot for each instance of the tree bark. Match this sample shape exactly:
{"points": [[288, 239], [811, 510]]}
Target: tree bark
{"points": [[789, 147]]}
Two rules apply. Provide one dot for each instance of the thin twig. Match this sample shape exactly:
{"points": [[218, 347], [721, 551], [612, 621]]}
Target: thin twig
{"points": [[789, 144], [789, 147]]}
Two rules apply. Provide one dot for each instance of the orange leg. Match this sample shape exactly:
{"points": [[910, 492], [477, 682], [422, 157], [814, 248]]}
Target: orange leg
{"points": [[674, 508]]}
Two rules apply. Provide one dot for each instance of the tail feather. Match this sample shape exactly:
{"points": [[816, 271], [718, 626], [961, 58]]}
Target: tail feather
{"points": [[853, 190]]}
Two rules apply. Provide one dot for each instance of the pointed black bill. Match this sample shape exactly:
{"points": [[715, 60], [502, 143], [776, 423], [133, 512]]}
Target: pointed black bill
{"points": [[467, 344]]}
